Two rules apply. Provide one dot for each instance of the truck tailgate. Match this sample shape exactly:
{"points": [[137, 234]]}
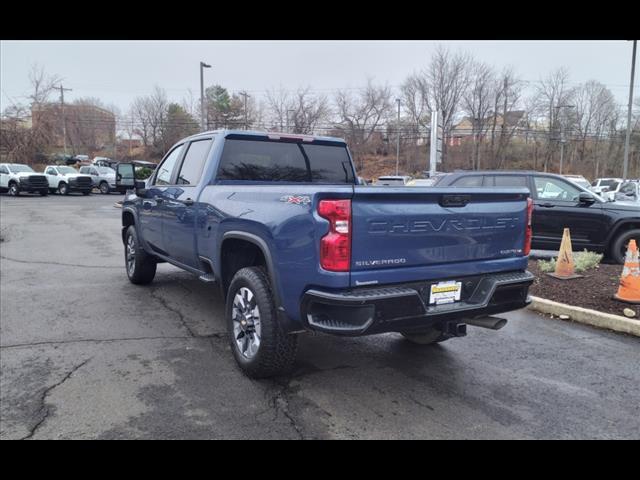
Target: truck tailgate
{"points": [[400, 233]]}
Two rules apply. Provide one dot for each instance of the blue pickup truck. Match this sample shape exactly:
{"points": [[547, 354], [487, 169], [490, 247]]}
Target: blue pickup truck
{"points": [[295, 243]]}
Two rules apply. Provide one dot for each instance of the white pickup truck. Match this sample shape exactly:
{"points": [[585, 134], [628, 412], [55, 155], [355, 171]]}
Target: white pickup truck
{"points": [[65, 179], [16, 178]]}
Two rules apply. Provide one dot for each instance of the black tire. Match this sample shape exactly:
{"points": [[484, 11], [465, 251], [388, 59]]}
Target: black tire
{"points": [[426, 337], [44, 193], [63, 188], [277, 350], [104, 188], [14, 189], [142, 269], [620, 243]]}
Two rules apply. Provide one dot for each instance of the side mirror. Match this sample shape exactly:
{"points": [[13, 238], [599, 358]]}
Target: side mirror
{"points": [[586, 198], [125, 175]]}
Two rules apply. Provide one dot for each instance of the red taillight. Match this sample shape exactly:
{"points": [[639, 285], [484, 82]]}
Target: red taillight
{"points": [[335, 246], [529, 232]]}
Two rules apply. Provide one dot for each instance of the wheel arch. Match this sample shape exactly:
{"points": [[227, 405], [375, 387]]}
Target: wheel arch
{"points": [[234, 239]]}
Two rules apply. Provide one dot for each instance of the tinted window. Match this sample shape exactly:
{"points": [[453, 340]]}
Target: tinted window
{"points": [[510, 181], [284, 162], [193, 162], [3, 169], [470, 181], [166, 168]]}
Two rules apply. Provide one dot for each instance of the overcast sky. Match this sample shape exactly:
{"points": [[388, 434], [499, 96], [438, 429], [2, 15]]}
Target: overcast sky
{"points": [[118, 71]]}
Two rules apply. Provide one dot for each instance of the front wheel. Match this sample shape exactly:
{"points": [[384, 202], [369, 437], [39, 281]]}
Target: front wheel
{"points": [[14, 190], [104, 188], [141, 267], [621, 243], [259, 344], [63, 189]]}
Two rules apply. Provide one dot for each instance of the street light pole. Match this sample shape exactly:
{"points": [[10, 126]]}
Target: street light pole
{"points": [[202, 67], [625, 168], [398, 139]]}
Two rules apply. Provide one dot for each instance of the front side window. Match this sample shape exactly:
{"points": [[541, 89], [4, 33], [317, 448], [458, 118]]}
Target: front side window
{"points": [[166, 168], [193, 162], [4, 170], [548, 188], [273, 161], [51, 171]]}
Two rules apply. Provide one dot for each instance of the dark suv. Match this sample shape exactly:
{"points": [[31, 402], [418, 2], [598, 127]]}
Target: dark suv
{"points": [[595, 224]]}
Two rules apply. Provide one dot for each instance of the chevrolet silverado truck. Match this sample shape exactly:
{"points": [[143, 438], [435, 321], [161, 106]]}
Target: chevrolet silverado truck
{"points": [[295, 243], [64, 180], [16, 178]]}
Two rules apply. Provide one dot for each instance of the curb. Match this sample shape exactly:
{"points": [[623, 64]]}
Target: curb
{"points": [[584, 315]]}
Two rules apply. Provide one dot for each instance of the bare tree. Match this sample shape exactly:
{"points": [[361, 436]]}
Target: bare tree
{"points": [[507, 97], [361, 114], [42, 85], [149, 113], [278, 102], [551, 92], [308, 111], [478, 100]]}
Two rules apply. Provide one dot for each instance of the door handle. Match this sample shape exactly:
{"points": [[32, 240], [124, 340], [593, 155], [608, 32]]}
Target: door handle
{"points": [[188, 202], [546, 205]]}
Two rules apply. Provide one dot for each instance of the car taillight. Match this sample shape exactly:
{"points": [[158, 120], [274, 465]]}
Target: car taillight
{"points": [[529, 232], [335, 246]]}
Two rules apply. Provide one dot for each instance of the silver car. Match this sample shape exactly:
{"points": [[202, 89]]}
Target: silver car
{"points": [[104, 178]]}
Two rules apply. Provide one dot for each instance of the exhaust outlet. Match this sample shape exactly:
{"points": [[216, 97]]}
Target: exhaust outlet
{"points": [[492, 323]]}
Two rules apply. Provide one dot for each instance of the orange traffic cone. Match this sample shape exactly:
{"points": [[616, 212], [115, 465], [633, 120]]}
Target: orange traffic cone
{"points": [[629, 290], [565, 268]]}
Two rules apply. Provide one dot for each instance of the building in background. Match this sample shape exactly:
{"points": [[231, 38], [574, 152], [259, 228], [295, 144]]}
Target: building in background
{"points": [[89, 128]]}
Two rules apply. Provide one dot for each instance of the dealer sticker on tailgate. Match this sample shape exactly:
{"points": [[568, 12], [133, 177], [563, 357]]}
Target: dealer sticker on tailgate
{"points": [[445, 292]]}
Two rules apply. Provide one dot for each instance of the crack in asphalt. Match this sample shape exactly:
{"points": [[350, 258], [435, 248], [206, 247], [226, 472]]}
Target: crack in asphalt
{"points": [[100, 340], [279, 402], [163, 302], [56, 263], [44, 410]]}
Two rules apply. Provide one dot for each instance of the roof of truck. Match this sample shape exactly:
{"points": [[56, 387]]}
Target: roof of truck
{"points": [[264, 133]]}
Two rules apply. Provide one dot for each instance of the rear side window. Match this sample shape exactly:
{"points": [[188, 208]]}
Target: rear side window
{"points": [[193, 162], [470, 181], [269, 161], [506, 181]]}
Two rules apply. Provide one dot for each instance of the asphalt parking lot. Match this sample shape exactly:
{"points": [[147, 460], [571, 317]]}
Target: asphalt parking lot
{"points": [[85, 354]]}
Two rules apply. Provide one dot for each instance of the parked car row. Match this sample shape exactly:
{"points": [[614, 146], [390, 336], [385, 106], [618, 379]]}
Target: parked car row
{"points": [[17, 178]]}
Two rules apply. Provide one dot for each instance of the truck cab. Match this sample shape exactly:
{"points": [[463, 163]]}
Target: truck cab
{"points": [[295, 243], [64, 180], [17, 178]]}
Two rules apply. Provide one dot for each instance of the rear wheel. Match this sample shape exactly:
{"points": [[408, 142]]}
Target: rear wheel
{"points": [[104, 188], [621, 243], [14, 190], [425, 337], [260, 346], [141, 267]]}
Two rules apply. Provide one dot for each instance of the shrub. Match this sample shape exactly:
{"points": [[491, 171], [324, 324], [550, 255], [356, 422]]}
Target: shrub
{"points": [[143, 173], [583, 261]]}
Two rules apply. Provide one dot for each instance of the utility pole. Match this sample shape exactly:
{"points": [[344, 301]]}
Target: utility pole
{"points": [[64, 119], [562, 137], [202, 67], [398, 139], [289, 128], [625, 168], [245, 95]]}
